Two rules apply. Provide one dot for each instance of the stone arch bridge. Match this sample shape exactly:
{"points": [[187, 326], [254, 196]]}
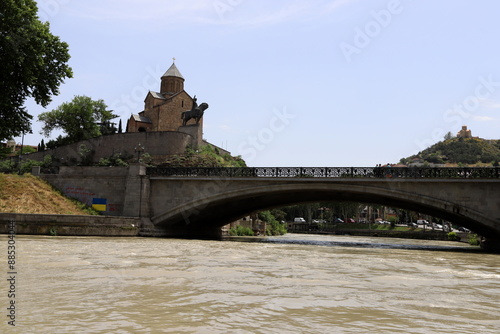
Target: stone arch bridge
{"points": [[196, 202]]}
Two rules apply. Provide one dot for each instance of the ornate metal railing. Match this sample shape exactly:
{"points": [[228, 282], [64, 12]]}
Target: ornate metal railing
{"points": [[330, 172]]}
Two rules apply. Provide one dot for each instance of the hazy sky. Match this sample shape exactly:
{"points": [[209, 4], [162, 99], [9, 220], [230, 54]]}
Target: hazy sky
{"points": [[294, 83]]}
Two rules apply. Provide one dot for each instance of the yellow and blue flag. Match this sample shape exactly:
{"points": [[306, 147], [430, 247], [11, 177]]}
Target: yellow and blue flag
{"points": [[99, 204]]}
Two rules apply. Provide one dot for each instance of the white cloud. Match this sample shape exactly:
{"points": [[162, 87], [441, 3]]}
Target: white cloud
{"points": [[334, 5], [482, 118], [490, 104], [225, 127], [215, 12], [271, 13], [145, 10]]}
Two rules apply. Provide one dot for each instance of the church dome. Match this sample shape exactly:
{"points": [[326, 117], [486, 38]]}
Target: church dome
{"points": [[172, 82], [173, 71]]}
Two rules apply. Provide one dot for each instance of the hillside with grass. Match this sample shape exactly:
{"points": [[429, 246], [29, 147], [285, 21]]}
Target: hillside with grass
{"points": [[29, 194], [475, 152], [205, 156]]}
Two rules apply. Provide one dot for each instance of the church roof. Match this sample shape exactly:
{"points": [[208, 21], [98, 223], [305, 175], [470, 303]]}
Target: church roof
{"points": [[166, 96], [173, 71], [139, 118], [157, 95]]}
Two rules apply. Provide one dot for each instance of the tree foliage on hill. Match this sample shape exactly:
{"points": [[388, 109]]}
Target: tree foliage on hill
{"points": [[33, 64], [80, 119], [467, 151], [205, 156]]}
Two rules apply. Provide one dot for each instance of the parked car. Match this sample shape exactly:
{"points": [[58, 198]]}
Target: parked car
{"points": [[412, 224], [338, 220], [350, 220]]}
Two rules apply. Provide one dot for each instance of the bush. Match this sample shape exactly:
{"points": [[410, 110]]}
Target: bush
{"points": [[240, 231], [85, 155], [114, 160], [7, 166], [27, 165], [205, 156], [452, 236], [473, 240], [273, 227], [12, 166], [146, 158]]}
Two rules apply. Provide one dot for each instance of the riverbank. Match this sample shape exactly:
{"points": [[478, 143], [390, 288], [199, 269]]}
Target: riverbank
{"points": [[88, 225], [69, 225], [404, 232], [31, 206]]}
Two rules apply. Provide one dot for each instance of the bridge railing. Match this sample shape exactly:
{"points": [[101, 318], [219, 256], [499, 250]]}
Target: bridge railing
{"points": [[329, 172]]}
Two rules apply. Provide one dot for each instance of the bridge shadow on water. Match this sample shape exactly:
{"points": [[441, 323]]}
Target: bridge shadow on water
{"points": [[357, 244]]}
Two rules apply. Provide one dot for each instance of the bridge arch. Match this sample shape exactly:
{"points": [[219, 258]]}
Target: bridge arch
{"points": [[203, 216]]}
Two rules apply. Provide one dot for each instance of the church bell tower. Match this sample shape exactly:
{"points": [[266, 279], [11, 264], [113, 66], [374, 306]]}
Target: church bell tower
{"points": [[172, 82]]}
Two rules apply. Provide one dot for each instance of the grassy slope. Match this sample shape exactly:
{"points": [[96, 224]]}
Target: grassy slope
{"points": [[29, 194]]}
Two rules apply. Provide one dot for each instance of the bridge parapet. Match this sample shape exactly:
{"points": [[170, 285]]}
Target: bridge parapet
{"points": [[329, 172]]}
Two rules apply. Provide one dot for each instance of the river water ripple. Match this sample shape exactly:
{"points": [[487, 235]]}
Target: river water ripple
{"points": [[289, 284]]}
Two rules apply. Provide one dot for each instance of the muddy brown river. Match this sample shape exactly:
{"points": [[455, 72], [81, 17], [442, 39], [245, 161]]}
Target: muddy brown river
{"points": [[290, 284]]}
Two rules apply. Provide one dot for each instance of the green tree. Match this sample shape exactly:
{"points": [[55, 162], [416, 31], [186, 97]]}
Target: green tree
{"points": [[34, 64], [26, 149], [4, 152], [273, 227], [80, 119], [448, 136]]}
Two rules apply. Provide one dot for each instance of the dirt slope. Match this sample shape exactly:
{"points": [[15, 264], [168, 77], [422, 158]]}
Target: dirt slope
{"points": [[29, 194]]}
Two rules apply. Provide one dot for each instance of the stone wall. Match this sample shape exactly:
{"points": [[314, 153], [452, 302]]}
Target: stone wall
{"points": [[70, 225], [117, 191], [195, 131], [154, 143]]}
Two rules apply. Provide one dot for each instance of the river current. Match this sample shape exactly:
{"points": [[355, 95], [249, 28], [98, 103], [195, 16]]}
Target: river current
{"points": [[289, 284]]}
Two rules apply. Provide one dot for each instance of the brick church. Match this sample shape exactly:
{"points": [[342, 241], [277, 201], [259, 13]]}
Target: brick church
{"points": [[163, 109], [164, 128]]}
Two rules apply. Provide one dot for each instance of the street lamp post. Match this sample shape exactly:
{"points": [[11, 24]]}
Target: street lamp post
{"points": [[20, 154], [139, 149]]}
